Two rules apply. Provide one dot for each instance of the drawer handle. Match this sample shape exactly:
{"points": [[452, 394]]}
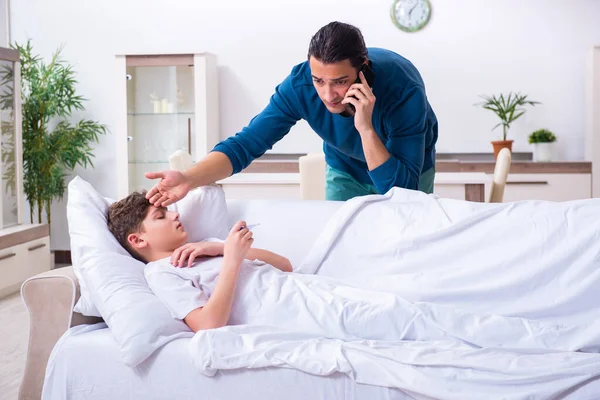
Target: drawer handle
{"points": [[4, 257], [39, 246], [528, 183]]}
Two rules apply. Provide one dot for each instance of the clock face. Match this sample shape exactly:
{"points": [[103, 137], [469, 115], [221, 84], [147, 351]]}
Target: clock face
{"points": [[411, 15]]}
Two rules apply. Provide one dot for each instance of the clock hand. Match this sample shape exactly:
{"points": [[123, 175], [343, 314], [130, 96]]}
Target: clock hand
{"points": [[411, 10]]}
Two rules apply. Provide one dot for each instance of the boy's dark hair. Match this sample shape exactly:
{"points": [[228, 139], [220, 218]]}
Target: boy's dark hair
{"points": [[125, 217], [337, 42]]}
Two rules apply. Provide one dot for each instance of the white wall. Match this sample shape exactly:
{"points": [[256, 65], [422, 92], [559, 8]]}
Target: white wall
{"points": [[592, 148], [470, 47], [4, 25]]}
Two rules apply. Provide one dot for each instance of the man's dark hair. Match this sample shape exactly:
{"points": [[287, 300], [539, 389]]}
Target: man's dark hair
{"points": [[126, 216], [337, 42]]}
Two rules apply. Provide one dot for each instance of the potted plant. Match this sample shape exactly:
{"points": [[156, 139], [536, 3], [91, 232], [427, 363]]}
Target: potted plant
{"points": [[542, 141], [508, 109], [52, 144]]}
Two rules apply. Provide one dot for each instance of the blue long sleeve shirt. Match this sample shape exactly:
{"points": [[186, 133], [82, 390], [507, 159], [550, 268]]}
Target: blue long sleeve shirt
{"points": [[402, 118]]}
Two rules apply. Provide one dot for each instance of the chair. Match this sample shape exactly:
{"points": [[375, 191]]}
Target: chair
{"points": [[500, 175], [312, 176]]}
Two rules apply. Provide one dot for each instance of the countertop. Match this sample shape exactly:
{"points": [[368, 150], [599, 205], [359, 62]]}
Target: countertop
{"points": [[22, 233], [293, 178], [445, 162], [517, 167]]}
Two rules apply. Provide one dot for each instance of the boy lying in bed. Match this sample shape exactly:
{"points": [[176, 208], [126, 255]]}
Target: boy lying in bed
{"points": [[250, 292], [156, 236]]}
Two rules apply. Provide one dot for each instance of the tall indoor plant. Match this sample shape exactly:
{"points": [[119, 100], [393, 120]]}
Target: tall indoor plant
{"points": [[52, 144], [508, 108]]}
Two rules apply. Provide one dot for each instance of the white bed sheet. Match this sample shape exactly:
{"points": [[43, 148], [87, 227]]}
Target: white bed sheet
{"points": [[515, 320], [85, 364]]}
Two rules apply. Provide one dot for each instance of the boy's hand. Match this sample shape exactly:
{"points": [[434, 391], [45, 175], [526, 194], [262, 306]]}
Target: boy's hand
{"points": [[238, 243], [191, 251]]}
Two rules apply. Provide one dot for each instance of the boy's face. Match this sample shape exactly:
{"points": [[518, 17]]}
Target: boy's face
{"points": [[161, 231]]}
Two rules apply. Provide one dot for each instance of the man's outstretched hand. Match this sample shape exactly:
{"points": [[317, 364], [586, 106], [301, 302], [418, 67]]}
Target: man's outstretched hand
{"points": [[172, 187]]}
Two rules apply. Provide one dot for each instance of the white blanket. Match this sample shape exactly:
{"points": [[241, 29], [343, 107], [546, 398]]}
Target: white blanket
{"points": [[459, 300]]}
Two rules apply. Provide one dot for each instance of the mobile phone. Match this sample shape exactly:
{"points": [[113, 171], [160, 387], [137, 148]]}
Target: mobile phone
{"points": [[369, 76]]}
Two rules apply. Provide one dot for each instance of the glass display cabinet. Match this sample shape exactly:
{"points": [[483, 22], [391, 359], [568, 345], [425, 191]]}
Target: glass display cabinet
{"points": [[166, 103]]}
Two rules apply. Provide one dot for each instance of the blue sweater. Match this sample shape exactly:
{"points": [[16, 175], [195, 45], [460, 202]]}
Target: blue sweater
{"points": [[402, 118]]}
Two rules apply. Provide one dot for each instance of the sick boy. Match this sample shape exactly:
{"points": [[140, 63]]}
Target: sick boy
{"points": [[154, 235], [233, 290]]}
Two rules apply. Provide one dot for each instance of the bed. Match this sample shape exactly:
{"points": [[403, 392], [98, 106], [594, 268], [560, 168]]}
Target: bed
{"points": [[543, 345], [62, 342]]}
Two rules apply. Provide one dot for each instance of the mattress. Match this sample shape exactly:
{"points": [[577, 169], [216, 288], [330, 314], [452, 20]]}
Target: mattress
{"points": [[85, 364]]}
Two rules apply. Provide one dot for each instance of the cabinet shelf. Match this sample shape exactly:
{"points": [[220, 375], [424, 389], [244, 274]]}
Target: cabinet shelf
{"points": [[141, 162], [148, 162], [158, 114]]}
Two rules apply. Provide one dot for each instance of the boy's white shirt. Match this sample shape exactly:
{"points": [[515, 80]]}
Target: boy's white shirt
{"points": [[183, 290]]}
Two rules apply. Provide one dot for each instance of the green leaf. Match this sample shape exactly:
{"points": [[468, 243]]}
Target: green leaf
{"points": [[542, 136], [508, 108], [48, 96]]}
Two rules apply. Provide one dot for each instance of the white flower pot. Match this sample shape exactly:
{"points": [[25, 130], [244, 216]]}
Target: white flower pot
{"points": [[542, 152]]}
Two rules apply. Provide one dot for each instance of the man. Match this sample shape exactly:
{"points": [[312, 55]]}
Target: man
{"points": [[376, 136]]}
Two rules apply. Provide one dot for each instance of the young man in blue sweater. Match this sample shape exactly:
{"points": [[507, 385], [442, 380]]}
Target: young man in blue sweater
{"points": [[376, 134]]}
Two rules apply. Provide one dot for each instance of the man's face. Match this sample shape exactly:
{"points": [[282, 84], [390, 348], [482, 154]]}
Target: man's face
{"points": [[332, 81], [162, 230]]}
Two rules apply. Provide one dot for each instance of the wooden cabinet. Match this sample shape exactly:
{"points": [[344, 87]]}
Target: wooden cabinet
{"points": [[28, 257], [262, 186], [287, 185], [24, 248], [551, 187]]}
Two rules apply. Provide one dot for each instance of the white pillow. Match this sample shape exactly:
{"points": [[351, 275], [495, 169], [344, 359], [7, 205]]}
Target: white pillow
{"points": [[112, 282], [203, 213]]}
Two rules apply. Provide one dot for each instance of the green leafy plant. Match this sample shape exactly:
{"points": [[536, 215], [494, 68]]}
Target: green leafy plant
{"points": [[507, 108], [52, 145], [542, 136]]}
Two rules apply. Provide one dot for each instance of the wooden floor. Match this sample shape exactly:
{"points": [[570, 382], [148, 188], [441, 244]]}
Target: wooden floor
{"points": [[14, 331]]}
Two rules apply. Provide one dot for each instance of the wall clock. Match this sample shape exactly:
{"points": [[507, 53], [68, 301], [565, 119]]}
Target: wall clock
{"points": [[411, 15]]}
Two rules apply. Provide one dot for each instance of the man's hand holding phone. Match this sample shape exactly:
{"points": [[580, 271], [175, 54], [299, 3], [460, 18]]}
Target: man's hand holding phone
{"points": [[362, 98]]}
